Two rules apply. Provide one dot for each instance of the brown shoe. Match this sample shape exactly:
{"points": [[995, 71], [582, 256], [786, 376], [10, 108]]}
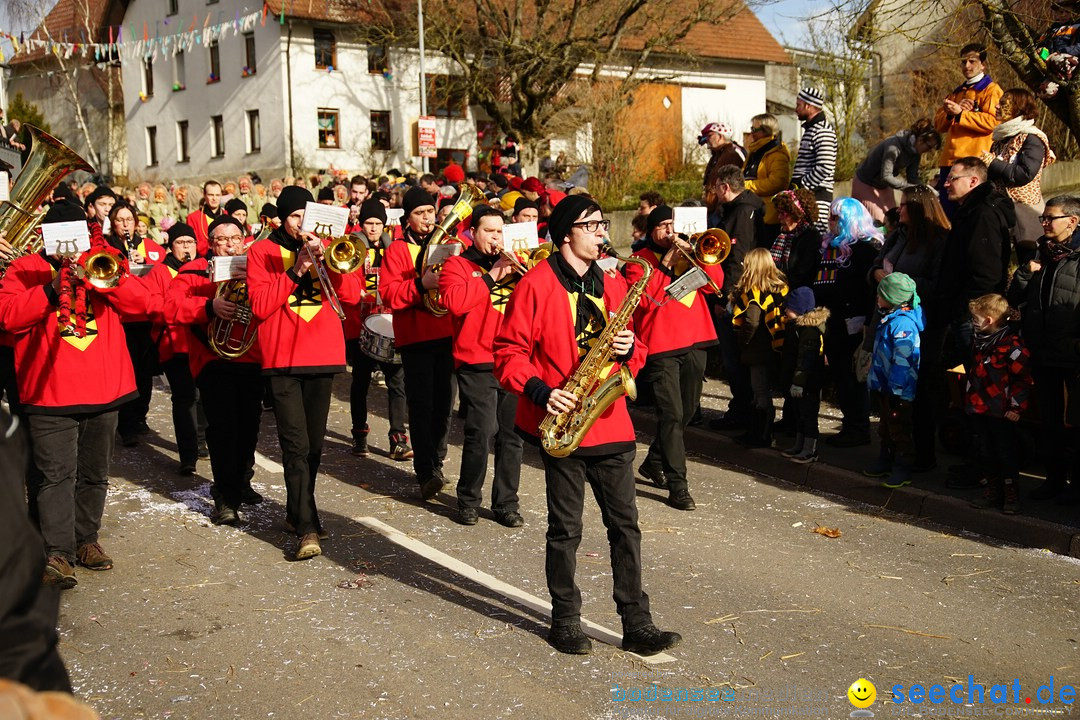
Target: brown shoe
{"points": [[309, 547], [59, 572], [92, 557]]}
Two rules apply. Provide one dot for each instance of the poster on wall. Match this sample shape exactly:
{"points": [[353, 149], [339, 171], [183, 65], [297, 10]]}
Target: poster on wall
{"points": [[425, 132]]}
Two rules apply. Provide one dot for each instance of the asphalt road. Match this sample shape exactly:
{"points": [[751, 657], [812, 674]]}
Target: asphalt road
{"points": [[198, 621]]}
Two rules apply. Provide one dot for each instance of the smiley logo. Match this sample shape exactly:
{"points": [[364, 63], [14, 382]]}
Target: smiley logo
{"points": [[862, 693]]}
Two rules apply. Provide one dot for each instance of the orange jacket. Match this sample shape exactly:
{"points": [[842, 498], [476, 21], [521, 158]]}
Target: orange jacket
{"points": [[969, 133]]}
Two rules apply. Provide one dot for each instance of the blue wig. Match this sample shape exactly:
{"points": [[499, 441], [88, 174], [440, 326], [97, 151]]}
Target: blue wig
{"points": [[853, 224]]}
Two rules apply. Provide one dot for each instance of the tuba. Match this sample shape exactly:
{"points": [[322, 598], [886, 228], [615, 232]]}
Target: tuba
{"points": [[561, 434], [46, 165], [462, 209]]}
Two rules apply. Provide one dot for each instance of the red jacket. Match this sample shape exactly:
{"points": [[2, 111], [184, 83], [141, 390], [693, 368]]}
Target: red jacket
{"points": [[400, 289], [189, 308], [200, 223], [537, 340], [171, 339], [476, 304], [148, 248], [298, 331], [669, 326], [58, 373]]}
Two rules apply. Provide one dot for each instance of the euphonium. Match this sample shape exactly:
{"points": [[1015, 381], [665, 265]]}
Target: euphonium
{"points": [[231, 338], [470, 196], [561, 434], [46, 165]]}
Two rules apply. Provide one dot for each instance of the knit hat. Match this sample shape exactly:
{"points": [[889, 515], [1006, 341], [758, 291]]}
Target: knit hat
{"points": [[224, 220], [64, 211], [99, 192], [532, 184], [566, 214], [180, 230], [372, 208], [509, 200], [234, 205], [555, 197], [291, 199], [522, 203], [703, 136], [414, 198], [268, 210], [812, 96], [326, 193], [481, 212], [659, 214], [453, 173], [800, 300], [897, 288]]}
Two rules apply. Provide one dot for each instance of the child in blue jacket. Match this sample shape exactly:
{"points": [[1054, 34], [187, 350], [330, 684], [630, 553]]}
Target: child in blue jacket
{"points": [[893, 375]]}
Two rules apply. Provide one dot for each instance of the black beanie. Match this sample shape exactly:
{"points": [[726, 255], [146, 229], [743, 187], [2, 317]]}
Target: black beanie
{"points": [[64, 211], [523, 202], [99, 192], [224, 220], [326, 193], [372, 209], [566, 213], [482, 211], [659, 214], [268, 210], [416, 197], [234, 205], [291, 199], [180, 230]]}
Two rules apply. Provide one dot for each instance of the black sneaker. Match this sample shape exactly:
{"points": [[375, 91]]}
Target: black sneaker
{"points": [[359, 445], [468, 516], [681, 500], [431, 487], [204, 452], [569, 639], [653, 474], [510, 519], [649, 640], [187, 467]]}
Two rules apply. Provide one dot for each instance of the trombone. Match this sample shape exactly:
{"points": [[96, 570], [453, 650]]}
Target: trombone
{"points": [[711, 247], [344, 255], [533, 256]]}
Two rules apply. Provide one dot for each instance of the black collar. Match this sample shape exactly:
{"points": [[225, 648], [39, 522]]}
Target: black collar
{"points": [[474, 255], [591, 283]]}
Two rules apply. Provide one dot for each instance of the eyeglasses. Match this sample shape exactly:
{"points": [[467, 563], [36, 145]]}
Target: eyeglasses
{"points": [[592, 226], [757, 128], [1047, 219], [228, 238], [953, 178]]}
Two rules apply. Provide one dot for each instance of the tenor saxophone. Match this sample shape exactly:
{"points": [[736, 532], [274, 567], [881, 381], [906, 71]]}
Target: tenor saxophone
{"points": [[561, 434]]}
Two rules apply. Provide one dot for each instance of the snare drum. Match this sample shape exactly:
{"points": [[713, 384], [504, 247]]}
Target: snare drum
{"points": [[377, 338]]}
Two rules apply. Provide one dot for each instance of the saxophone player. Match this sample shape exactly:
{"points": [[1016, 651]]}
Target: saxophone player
{"points": [[558, 310]]}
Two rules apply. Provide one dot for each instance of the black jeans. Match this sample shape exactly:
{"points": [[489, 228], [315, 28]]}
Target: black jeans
{"points": [[489, 415], [301, 405], [232, 398], [185, 415], [737, 374], [852, 396], [9, 388], [895, 428], [428, 371], [72, 454], [676, 381], [807, 410], [612, 480], [362, 368], [1061, 444], [1000, 456], [144, 362]]}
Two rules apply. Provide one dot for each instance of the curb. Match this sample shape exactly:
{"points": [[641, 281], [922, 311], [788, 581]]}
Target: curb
{"points": [[918, 503]]}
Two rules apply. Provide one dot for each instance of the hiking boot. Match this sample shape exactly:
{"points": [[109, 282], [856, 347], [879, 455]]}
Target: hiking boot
{"points": [[59, 572], [308, 547], [649, 640], [653, 474], [92, 557], [510, 519], [882, 467], [681, 500], [808, 454], [900, 476], [569, 639], [225, 515], [399, 448], [1011, 505], [359, 443], [468, 516]]}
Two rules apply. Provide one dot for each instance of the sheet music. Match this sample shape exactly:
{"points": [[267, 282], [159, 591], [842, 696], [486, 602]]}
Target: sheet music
{"points": [[690, 281], [325, 220], [438, 254], [228, 267], [69, 239], [690, 220], [520, 236]]}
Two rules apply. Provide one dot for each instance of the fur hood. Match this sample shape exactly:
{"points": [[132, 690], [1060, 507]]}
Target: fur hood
{"points": [[817, 317]]}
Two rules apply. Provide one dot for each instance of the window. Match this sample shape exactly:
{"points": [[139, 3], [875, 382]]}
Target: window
{"points": [[249, 55], [217, 137], [148, 79], [215, 63], [254, 143], [179, 72], [325, 50], [378, 59], [183, 150], [328, 128], [172, 7], [445, 97], [151, 146], [380, 130]]}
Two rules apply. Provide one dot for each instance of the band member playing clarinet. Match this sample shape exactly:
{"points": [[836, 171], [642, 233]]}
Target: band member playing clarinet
{"points": [[475, 288], [556, 313], [677, 331], [422, 339], [302, 347]]}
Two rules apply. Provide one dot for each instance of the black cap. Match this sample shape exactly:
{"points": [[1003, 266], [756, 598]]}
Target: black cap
{"points": [[224, 220], [234, 205], [63, 211], [326, 193], [372, 208], [523, 202], [179, 230], [416, 197], [566, 213], [659, 214], [99, 192], [268, 210], [291, 199]]}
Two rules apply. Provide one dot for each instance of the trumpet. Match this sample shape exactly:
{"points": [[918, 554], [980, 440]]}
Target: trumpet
{"points": [[343, 256], [711, 247]]}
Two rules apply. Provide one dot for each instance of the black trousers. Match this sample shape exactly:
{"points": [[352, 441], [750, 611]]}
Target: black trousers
{"points": [[807, 410], [144, 361], [737, 374], [489, 414], [185, 403], [895, 428], [9, 388], [232, 398], [72, 454], [428, 372], [852, 396], [1000, 452], [612, 480], [676, 381], [301, 405], [362, 368], [1058, 393]]}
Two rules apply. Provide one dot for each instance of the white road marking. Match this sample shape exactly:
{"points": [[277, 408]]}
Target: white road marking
{"points": [[491, 582], [267, 464]]}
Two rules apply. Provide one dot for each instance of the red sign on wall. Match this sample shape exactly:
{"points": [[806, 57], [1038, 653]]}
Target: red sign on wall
{"points": [[425, 132]]}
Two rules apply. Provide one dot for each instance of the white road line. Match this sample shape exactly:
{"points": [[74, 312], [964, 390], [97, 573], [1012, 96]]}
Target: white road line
{"points": [[267, 464], [493, 583]]}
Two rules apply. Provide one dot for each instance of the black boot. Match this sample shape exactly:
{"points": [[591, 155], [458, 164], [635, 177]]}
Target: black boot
{"points": [[761, 429]]}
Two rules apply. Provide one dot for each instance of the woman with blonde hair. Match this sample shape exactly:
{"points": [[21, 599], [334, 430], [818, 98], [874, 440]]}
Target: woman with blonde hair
{"points": [[758, 319]]}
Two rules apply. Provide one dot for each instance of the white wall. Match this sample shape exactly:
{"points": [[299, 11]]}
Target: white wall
{"points": [[741, 96]]}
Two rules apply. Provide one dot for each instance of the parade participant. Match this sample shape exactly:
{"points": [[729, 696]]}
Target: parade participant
{"points": [[122, 235], [98, 204], [302, 347], [73, 373], [237, 209], [556, 313], [231, 388], [526, 210], [475, 288], [422, 339], [677, 333], [209, 210], [372, 220]]}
